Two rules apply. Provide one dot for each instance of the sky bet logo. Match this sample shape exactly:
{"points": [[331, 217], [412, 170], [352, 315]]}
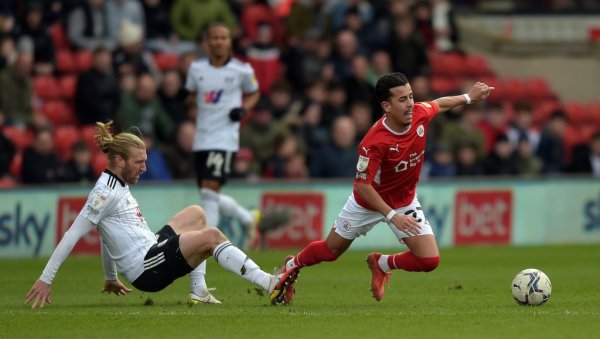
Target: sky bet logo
{"points": [[591, 212], [213, 96]]}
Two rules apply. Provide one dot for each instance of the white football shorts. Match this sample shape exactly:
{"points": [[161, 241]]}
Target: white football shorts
{"points": [[355, 220]]}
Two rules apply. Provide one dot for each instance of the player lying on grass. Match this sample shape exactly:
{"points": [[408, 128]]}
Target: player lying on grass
{"points": [[390, 159], [150, 262]]}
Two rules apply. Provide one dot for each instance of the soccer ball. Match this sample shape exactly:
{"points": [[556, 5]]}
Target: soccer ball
{"points": [[531, 287]]}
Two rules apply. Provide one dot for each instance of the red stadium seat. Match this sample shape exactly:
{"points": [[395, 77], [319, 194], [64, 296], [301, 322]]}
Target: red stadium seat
{"points": [[87, 134], [576, 113], [46, 87], [542, 111], [84, 60], [538, 89], [64, 138], [65, 61], [68, 85], [267, 72], [515, 89], [59, 113], [166, 61], [448, 64], [499, 93], [59, 36], [254, 14], [21, 138], [443, 85], [594, 114], [476, 66], [99, 163]]}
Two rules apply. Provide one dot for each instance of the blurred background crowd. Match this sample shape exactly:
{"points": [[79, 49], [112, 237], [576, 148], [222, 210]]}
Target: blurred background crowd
{"points": [[66, 64]]}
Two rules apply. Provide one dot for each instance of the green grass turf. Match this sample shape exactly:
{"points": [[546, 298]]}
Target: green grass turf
{"points": [[468, 296]]}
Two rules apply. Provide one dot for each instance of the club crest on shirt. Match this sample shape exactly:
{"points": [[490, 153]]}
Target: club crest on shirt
{"points": [[420, 130], [363, 163]]}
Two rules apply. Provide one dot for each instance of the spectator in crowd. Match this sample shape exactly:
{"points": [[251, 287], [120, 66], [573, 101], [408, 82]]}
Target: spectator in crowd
{"points": [[40, 162], [17, 91], [179, 156], [421, 89], [444, 25], [362, 29], [340, 9], [357, 84], [172, 96], [467, 162], [441, 163], [338, 158], [191, 16], [307, 60], [8, 51], [156, 165], [421, 11], [308, 129], [260, 133], [527, 163], [493, 125], [284, 105], [522, 126], [551, 147], [120, 11], [346, 47], [408, 50], [586, 157], [97, 91], [381, 64], [127, 83], [466, 130], [144, 110], [360, 113], [283, 164], [33, 28], [500, 160], [79, 167], [159, 31], [308, 15], [7, 153], [335, 104], [87, 26], [130, 56], [264, 55], [244, 166], [295, 167]]}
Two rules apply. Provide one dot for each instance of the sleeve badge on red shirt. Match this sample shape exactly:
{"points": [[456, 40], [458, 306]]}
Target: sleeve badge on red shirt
{"points": [[420, 130], [363, 163]]}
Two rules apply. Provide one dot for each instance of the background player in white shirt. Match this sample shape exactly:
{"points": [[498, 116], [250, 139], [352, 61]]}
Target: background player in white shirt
{"points": [[223, 88], [390, 159], [150, 262]]}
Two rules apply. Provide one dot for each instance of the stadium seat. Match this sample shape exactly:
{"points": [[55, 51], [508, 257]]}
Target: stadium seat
{"points": [[46, 87], [443, 85], [515, 89], [476, 66], [58, 113], [576, 113], [59, 36], [68, 85], [65, 61], [267, 72], [499, 93], [593, 111], [84, 60], [99, 163], [87, 135], [166, 61], [21, 138], [538, 89], [448, 64], [542, 111], [254, 14], [64, 138]]}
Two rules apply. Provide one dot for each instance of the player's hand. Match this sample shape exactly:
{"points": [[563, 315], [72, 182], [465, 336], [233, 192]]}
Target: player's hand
{"points": [[406, 224], [116, 287], [39, 293], [236, 114], [480, 91]]}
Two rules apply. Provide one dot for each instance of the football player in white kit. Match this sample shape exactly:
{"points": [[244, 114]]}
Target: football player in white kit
{"points": [[149, 261], [223, 88]]}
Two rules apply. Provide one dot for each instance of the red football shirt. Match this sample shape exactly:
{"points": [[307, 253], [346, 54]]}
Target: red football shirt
{"points": [[390, 161]]}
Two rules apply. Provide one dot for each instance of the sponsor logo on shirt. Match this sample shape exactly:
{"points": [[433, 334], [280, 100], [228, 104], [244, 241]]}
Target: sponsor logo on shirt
{"points": [[213, 96], [96, 204], [363, 163]]}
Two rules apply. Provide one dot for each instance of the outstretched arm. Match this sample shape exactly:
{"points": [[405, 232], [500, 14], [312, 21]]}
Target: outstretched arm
{"points": [[479, 92], [41, 290]]}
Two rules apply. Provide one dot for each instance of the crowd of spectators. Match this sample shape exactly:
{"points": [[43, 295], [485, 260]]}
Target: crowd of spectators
{"points": [[66, 64]]}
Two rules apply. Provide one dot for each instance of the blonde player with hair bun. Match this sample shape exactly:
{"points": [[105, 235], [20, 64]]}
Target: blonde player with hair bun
{"points": [[149, 261]]}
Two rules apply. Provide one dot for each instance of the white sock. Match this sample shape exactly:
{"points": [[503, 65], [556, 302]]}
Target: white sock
{"points": [[229, 207], [234, 260], [210, 203], [197, 282], [290, 264], [383, 263]]}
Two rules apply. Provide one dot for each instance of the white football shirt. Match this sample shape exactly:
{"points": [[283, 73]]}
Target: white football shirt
{"points": [[117, 215], [218, 90]]}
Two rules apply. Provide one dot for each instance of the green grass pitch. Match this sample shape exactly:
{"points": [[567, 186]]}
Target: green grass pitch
{"points": [[468, 296]]}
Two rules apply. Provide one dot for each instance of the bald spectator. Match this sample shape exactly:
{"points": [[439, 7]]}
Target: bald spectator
{"points": [[338, 158], [144, 110]]}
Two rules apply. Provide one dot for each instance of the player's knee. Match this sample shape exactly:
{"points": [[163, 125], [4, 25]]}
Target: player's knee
{"points": [[198, 215], [214, 235], [430, 264]]}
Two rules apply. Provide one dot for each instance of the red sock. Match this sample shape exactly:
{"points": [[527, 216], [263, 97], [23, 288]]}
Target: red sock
{"points": [[408, 262], [314, 253]]}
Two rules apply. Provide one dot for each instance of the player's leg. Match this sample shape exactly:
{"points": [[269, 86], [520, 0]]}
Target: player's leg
{"points": [[232, 209], [191, 218], [196, 246]]}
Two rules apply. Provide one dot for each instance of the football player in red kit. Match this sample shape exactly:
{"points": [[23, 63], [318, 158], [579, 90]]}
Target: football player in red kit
{"points": [[390, 159]]}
